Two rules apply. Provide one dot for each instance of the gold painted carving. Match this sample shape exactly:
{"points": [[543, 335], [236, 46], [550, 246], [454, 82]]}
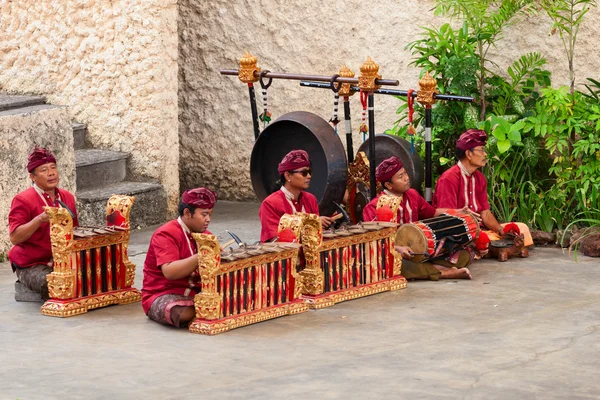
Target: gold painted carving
{"points": [[62, 309], [123, 205], [393, 202], [427, 89], [61, 282], [248, 68], [366, 81], [358, 172], [291, 221], [345, 91]]}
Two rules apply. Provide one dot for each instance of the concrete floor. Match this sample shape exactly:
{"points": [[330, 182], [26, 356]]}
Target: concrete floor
{"points": [[525, 329]]}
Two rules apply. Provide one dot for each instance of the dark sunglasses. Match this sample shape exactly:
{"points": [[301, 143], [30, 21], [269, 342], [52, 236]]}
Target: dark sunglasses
{"points": [[304, 172]]}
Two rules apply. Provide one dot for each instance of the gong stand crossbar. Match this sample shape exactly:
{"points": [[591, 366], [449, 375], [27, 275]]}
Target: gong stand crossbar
{"points": [[316, 78], [392, 92]]}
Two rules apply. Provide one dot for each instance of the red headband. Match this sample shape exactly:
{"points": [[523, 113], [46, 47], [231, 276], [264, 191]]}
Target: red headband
{"points": [[199, 197], [387, 168], [293, 160], [471, 138], [39, 156]]}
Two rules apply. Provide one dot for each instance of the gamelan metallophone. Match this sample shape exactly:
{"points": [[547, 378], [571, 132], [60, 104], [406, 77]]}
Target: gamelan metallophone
{"points": [[91, 265], [245, 286], [345, 264]]}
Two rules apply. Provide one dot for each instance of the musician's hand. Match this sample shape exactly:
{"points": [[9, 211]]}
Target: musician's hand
{"points": [[43, 217], [405, 251], [468, 210], [326, 221]]}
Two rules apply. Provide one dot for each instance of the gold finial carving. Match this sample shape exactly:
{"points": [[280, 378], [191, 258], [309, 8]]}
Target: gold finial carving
{"points": [[345, 72], [427, 89], [366, 81], [247, 68]]}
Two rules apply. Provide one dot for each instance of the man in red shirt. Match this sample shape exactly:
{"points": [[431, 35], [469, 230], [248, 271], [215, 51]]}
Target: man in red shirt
{"points": [[292, 197], [171, 278], [29, 229], [464, 185], [392, 175]]}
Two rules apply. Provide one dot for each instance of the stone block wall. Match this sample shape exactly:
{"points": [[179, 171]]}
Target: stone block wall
{"points": [[114, 63], [20, 131], [216, 134]]}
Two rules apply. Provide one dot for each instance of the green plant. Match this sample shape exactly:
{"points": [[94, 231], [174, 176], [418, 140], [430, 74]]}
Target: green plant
{"points": [[487, 20], [567, 17]]}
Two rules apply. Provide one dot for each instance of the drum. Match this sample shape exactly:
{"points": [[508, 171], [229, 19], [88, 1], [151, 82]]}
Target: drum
{"points": [[309, 132], [435, 237]]}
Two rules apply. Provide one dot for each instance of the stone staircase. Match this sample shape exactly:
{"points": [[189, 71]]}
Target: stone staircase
{"points": [[102, 173]]}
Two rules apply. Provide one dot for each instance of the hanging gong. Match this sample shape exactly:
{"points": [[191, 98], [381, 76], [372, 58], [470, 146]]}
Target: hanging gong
{"points": [[300, 130]]}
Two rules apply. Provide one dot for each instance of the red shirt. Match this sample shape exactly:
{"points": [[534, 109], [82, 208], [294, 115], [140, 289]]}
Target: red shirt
{"points": [[276, 204], [412, 208], [26, 206], [169, 243], [455, 190]]}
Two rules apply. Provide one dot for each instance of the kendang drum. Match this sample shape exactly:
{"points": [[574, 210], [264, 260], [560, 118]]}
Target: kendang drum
{"points": [[435, 237]]}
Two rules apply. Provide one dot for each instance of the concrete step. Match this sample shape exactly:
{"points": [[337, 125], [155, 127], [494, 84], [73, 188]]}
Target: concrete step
{"points": [[79, 132], [150, 207], [96, 168], [9, 101]]}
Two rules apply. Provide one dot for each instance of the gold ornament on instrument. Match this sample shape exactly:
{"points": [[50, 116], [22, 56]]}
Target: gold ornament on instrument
{"points": [[248, 67], [101, 251], [366, 81], [345, 91], [393, 202], [427, 89]]}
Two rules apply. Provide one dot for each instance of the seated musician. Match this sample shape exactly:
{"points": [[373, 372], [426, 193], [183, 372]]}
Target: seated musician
{"points": [[171, 278], [463, 185], [291, 198], [29, 229], [396, 182]]}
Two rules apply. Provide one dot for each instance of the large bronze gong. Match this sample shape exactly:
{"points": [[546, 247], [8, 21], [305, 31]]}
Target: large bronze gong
{"points": [[309, 132], [390, 145]]}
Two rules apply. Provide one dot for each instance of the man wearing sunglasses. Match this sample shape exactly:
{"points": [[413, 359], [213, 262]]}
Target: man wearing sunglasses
{"points": [[295, 175], [464, 185], [396, 182]]}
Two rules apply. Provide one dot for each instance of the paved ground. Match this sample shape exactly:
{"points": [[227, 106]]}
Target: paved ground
{"points": [[525, 329]]}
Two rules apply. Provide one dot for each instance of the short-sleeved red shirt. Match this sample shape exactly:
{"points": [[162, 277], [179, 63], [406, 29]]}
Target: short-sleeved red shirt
{"points": [[169, 243], [26, 206], [413, 208], [275, 205], [455, 190]]}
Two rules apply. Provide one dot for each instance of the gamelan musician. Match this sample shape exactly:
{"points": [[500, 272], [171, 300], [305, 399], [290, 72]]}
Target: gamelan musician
{"points": [[396, 182], [29, 229], [171, 278]]}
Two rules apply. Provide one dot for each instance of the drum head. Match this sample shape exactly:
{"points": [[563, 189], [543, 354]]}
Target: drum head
{"points": [[413, 237], [304, 131]]}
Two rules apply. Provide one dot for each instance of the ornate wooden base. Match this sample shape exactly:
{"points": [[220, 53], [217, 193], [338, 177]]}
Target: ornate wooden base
{"points": [[331, 298], [213, 327], [69, 308]]}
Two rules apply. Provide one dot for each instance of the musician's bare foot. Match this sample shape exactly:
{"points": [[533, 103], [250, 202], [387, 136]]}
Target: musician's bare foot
{"points": [[454, 273]]}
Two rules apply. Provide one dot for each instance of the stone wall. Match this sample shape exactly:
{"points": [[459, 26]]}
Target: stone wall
{"points": [[114, 63], [216, 134], [20, 131]]}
